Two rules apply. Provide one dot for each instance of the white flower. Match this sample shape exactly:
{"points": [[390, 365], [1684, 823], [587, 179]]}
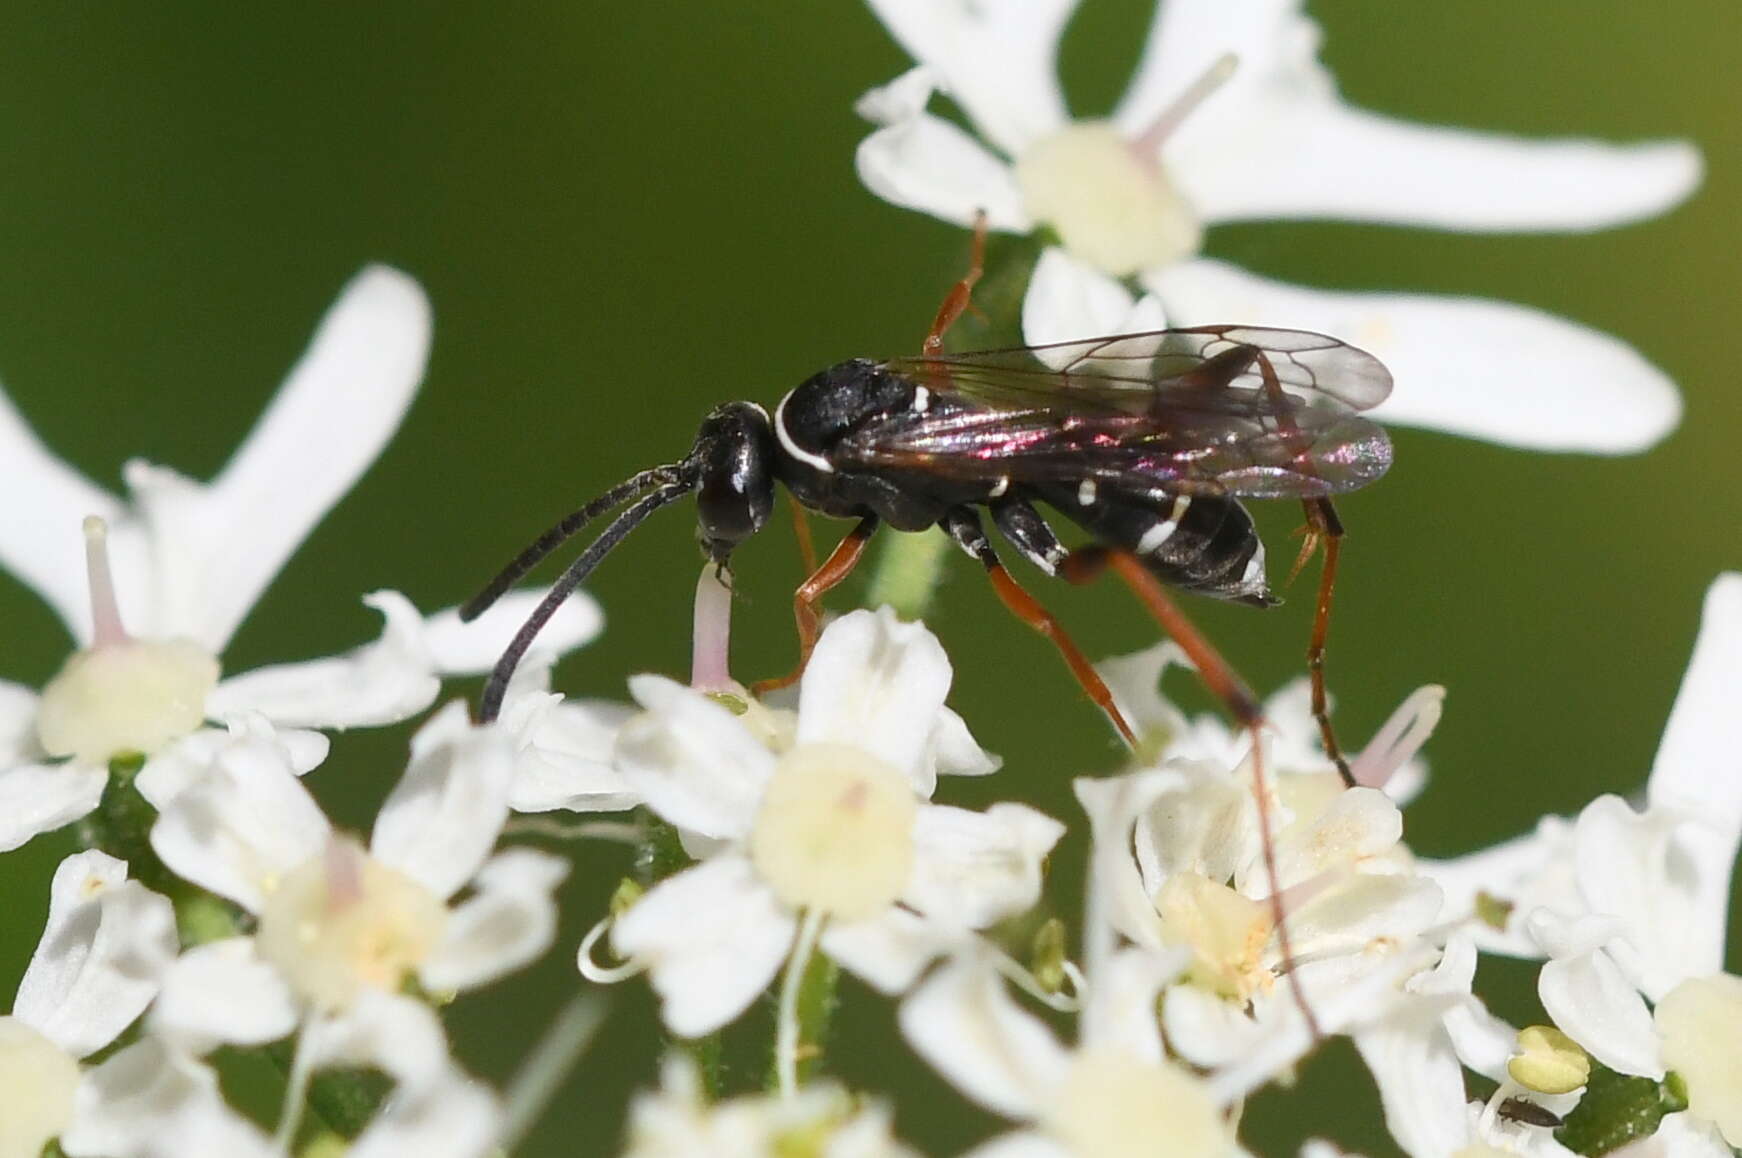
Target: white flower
{"points": [[189, 561], [336, 920], [835, 825], [1230, 117], [105, 946], [1632, 906], [822, 1119], [563, 747]]}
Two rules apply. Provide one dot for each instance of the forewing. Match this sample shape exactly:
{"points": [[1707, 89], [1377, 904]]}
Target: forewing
{"points": [[1239, 410], [1324, 453]]}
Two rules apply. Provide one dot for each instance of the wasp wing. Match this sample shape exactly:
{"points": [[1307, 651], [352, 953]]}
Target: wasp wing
{"points": [[1237, 410]]}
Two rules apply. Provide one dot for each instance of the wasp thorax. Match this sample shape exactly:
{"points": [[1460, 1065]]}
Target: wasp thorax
{"points": [[1112, 207], [735, 485]]}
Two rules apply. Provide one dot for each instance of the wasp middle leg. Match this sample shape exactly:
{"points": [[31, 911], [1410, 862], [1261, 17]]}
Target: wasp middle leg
{"points": [[962, 293]]}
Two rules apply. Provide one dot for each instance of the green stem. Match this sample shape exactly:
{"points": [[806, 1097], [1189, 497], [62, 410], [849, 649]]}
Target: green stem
{"points": [[807, 1006], [909, 567]]}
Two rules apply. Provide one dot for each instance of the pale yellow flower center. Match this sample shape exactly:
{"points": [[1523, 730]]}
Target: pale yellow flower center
{"points": [[835, 831], [1700, 1022], [1225, 931], [1115, 1106], [1548, 1061], [344, 922], [1112, 208], [122, 695], [37, 1080]]}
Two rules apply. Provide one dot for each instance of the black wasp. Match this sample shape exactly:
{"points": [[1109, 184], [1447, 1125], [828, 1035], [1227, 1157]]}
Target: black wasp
{"points": [[1148, 442]]}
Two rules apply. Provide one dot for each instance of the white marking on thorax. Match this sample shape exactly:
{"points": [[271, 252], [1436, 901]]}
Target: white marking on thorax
{"points": [[999, 487], [1253, 577], [794, 448], [921, 399], [1086, 492], [1163, 531]]}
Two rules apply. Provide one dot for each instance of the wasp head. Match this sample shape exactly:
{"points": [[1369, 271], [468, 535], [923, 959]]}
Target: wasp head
{"points": [[733, 459]]}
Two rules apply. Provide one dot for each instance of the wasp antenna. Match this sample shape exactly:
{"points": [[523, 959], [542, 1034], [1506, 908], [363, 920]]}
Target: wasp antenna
{"points": [[631, 517], [571, 525]]}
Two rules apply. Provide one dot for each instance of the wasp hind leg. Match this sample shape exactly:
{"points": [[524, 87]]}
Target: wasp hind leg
{"points": [[1323, 526]]}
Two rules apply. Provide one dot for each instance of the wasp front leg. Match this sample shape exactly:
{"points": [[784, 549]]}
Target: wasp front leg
{"points": [[961, 294]]}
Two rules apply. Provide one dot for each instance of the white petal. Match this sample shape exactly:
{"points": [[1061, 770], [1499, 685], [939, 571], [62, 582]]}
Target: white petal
{"points": [[1485, 369], [1205, 1029], [1528, 872], [1277, 142], [40, 540], [953, 751], [888, 951], [928, 164], [564, 749], [1685, 1136], [1483, 1042], [39, 798], [1021, 1144], [222, 993], [692, 760], [455, 1117], [1358, 824], [1294, 159], [243, 824], [713, 937], [1120, 1012], [106, 943], [185, 761], [473, 648], [963, 1022], [1420, 1083], [17, 723], [380, 683], [1629, 871], [1595, 1006], [335, 412], [398, 1035], [151, 1101], [876, 683], [508, 921], [972, 869], [1698, 771], [1068, 300], [443, 817], [996, 60], [1135, 681], [1118, 900]]}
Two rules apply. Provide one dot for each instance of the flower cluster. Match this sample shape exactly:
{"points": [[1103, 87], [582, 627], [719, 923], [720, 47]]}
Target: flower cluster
{"points": [[1247, 896]]}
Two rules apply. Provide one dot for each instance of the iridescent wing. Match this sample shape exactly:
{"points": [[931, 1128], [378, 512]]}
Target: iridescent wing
{"points": [[1237, 410]]}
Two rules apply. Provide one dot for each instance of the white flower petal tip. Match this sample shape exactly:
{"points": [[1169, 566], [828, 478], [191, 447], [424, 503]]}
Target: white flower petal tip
{"points": [[473, 648], [712, 936], [877, 683], [106, 943], [377, 684], [1068, 300], [925, 163], [509, 921], [1566, 388], [222, 993], [39, 798], [443, 817]]}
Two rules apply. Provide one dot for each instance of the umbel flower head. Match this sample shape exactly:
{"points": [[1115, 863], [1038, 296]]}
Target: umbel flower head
{"points": [[167, 575], [1230, 117]]}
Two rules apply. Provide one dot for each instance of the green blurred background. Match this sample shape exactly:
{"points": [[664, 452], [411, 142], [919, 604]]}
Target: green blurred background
{"points": [[627, 212]]}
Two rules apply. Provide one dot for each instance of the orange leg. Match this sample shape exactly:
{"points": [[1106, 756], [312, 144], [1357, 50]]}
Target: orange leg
{"points": [[1226, 685], [962, 293], [1028, 609], [1324, 525], [806, 599], [801, 527]]}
